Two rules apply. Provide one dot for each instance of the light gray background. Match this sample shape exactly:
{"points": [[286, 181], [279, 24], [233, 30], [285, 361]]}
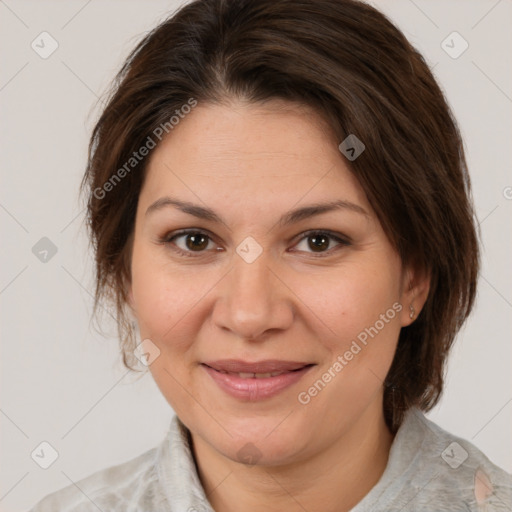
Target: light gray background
{"points": [[65, 384]]}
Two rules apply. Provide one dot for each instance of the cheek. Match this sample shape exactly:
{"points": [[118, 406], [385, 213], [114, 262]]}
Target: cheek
{"points": [[170, 306], [345, 303], [172, 303], [162, 296], [362, 313], [368, 324]]}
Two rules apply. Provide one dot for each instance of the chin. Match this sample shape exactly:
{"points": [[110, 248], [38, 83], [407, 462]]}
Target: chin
{"points": [[258, 440]]}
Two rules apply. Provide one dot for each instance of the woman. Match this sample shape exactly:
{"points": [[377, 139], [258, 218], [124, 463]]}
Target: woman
{"points": [[278, 197]]}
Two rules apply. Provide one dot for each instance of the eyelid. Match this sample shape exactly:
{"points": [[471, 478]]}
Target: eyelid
{"points": [[340, 237]]}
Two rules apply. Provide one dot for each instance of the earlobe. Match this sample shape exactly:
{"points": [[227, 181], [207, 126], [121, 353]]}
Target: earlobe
{"points": [[414, 295]]}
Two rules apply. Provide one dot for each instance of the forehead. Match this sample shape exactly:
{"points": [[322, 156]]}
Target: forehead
{"points": [[278, 151]]}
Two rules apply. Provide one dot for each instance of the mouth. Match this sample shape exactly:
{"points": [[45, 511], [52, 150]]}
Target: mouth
{"points": [[251, 381]]}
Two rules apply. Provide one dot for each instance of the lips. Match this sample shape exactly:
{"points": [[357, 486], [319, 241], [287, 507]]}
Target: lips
{"points": [[256, 380], [261, 369]]}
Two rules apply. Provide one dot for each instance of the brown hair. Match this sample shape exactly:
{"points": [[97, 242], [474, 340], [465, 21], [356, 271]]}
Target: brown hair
{"points": [[354, 67]]}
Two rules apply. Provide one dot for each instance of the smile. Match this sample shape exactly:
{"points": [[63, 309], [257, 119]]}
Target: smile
{"points": [[255, 381]]}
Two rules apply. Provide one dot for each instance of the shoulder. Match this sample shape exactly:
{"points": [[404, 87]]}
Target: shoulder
{"points": [[120, 487], [449, 472], [159, 480]]}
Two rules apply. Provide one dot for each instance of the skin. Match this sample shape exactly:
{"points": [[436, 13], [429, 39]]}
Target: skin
{"points": [[251, 163]]}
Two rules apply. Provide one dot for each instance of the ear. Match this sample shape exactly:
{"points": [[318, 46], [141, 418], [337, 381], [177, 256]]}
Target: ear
{"points": [[415, 288]]}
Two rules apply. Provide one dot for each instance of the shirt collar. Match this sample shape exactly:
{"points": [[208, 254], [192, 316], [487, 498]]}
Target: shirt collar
{"points": [[184, 491], [178, 472]]}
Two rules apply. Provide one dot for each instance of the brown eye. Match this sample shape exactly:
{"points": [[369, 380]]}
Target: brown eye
{"points": [[319, 242], [196, 241], [188, 242]]}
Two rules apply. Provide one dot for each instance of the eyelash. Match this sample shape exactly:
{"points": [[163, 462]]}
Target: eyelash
{"points": [[168, 240]]}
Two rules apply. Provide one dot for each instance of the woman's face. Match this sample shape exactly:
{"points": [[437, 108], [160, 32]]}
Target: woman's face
{"points": [[265, 284]]}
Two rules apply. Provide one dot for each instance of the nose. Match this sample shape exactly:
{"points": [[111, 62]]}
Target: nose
{"points": [[253, 300]]}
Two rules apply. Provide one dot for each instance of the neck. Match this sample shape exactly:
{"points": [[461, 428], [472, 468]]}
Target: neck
{"points": [[337, 478]]}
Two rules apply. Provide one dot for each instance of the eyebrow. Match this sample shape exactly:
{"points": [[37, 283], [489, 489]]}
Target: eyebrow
{"points": [[286, 219]]}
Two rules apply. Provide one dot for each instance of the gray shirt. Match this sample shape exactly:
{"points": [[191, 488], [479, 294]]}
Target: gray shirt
{"points": [[428, 469]]}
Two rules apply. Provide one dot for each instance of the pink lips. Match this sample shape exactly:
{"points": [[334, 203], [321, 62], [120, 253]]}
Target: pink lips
{"points": [[269, 377]]}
